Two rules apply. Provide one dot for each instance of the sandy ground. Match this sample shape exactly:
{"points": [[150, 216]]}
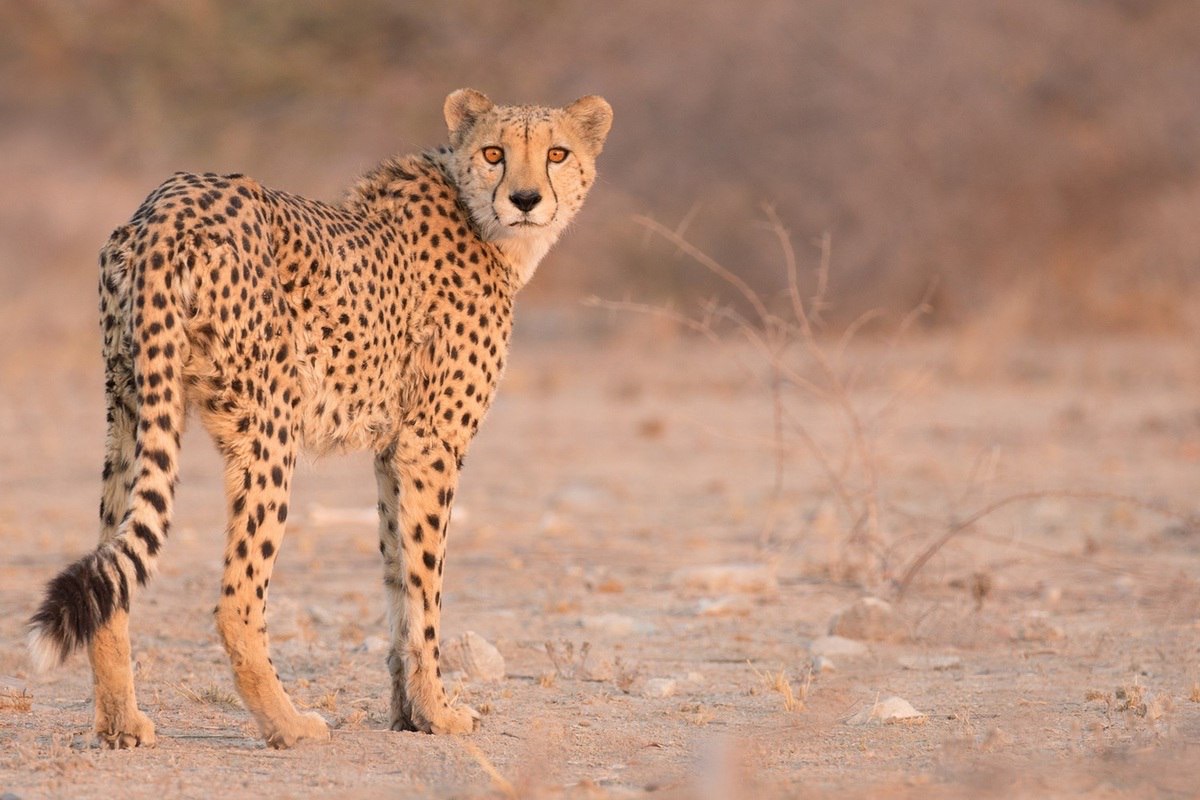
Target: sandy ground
{"points": [[1051, 649]]}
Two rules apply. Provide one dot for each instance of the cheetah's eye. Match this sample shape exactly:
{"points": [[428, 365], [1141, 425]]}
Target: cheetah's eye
{"points": [[557, 155], [493, 155]]}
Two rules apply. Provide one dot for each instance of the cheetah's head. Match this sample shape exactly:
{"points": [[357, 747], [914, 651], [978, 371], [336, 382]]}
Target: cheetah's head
{"points": [[523, 171]]}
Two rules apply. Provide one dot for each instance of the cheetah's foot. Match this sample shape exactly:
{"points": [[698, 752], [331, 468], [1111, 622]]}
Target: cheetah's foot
{"points": [[310, 727], [132, 729], [448, 719]]}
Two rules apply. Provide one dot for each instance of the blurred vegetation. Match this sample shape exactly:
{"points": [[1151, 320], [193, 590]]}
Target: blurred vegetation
{"points": [[1034, 158]]}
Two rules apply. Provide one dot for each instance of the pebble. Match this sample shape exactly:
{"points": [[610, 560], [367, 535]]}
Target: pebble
{"points": [[836, 646], [823, 664], [473, 656], [374, 644], [869, 619], [892, 711], [745, 578], [727, 606], [658, 687]]}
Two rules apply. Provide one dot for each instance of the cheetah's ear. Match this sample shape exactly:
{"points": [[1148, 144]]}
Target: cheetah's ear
{"points": [[462, 108], [593, 117]]}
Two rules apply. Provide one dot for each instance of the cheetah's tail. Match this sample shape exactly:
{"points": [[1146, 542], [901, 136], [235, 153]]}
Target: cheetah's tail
{"points": [[78, 601], [84, 596]]}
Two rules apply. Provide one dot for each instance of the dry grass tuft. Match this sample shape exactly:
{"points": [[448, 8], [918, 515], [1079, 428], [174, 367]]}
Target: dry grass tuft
{"points": [[210, 695], [567, 662], [12, 700], [793, 699]]}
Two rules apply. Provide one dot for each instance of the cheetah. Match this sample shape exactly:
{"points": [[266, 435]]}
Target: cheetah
{"points": [[380, 322]]}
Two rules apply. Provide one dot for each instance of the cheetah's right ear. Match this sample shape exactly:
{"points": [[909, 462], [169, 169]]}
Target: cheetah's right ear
{"points": [[462, 108]]}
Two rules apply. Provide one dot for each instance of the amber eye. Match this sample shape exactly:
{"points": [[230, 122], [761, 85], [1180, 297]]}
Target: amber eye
{"points": [[557, 155], [493, 155]]}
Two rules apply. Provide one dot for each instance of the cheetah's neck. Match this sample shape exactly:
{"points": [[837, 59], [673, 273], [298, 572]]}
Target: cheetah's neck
{"points": [[523, 254]]}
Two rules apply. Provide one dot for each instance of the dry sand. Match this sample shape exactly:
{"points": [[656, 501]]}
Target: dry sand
{"points": [[1051, 650]]}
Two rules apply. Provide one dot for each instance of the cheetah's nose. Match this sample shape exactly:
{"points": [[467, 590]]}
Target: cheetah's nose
{"points": [[526, 199]]}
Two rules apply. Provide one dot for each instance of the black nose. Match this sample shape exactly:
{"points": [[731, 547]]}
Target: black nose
{"points": [[526, 199]]}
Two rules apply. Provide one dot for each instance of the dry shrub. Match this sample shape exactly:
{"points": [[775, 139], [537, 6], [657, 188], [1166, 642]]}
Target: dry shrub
{"points": [[18, 701], [790, 355], [785, 351]]}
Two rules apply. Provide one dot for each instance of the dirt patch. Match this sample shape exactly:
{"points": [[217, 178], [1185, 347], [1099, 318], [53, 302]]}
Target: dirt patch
{"points": [[652, 643]]}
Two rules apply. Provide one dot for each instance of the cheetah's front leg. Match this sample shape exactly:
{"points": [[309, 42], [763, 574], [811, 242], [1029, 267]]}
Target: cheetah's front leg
{"points": [[421, 480]]}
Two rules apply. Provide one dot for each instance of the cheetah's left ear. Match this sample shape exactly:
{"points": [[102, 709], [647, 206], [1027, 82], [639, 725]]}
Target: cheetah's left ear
{"points": [[593, 117], [462, 108]]}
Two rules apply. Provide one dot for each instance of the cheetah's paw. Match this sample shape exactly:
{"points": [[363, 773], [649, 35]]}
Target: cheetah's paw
{"points": [[310, 727]]}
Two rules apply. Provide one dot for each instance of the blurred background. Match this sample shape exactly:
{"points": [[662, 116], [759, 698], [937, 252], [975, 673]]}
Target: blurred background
{"points": [[1033, 161]]}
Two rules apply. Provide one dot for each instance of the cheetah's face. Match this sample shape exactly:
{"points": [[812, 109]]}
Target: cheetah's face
{"points": [[523, 171]]}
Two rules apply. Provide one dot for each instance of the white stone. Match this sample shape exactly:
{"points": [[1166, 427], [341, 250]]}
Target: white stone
{"points": [[374, 644], [891, 711], [658, 687], [728, 606], [823, 664], [473, 656]]}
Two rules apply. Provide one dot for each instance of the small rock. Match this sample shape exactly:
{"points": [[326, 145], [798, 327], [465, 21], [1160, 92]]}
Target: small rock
{"points": [[658, 687], [727, 606], [1051, 594], [935, 663], [746, 578], [823, 664], [615, 624], [473, 656], [836, 646], [1036, 627], [892, 711], [869, 619], [321, 615], [374, 644]]}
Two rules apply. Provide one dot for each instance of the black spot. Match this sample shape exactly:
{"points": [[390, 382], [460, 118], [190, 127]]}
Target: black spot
{"points": [[146, 535], [268, 549], [155, 499]]}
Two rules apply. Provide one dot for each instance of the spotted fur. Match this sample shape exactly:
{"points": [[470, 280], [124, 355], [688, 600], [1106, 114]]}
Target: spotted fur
{"points": [[381, 322]]}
